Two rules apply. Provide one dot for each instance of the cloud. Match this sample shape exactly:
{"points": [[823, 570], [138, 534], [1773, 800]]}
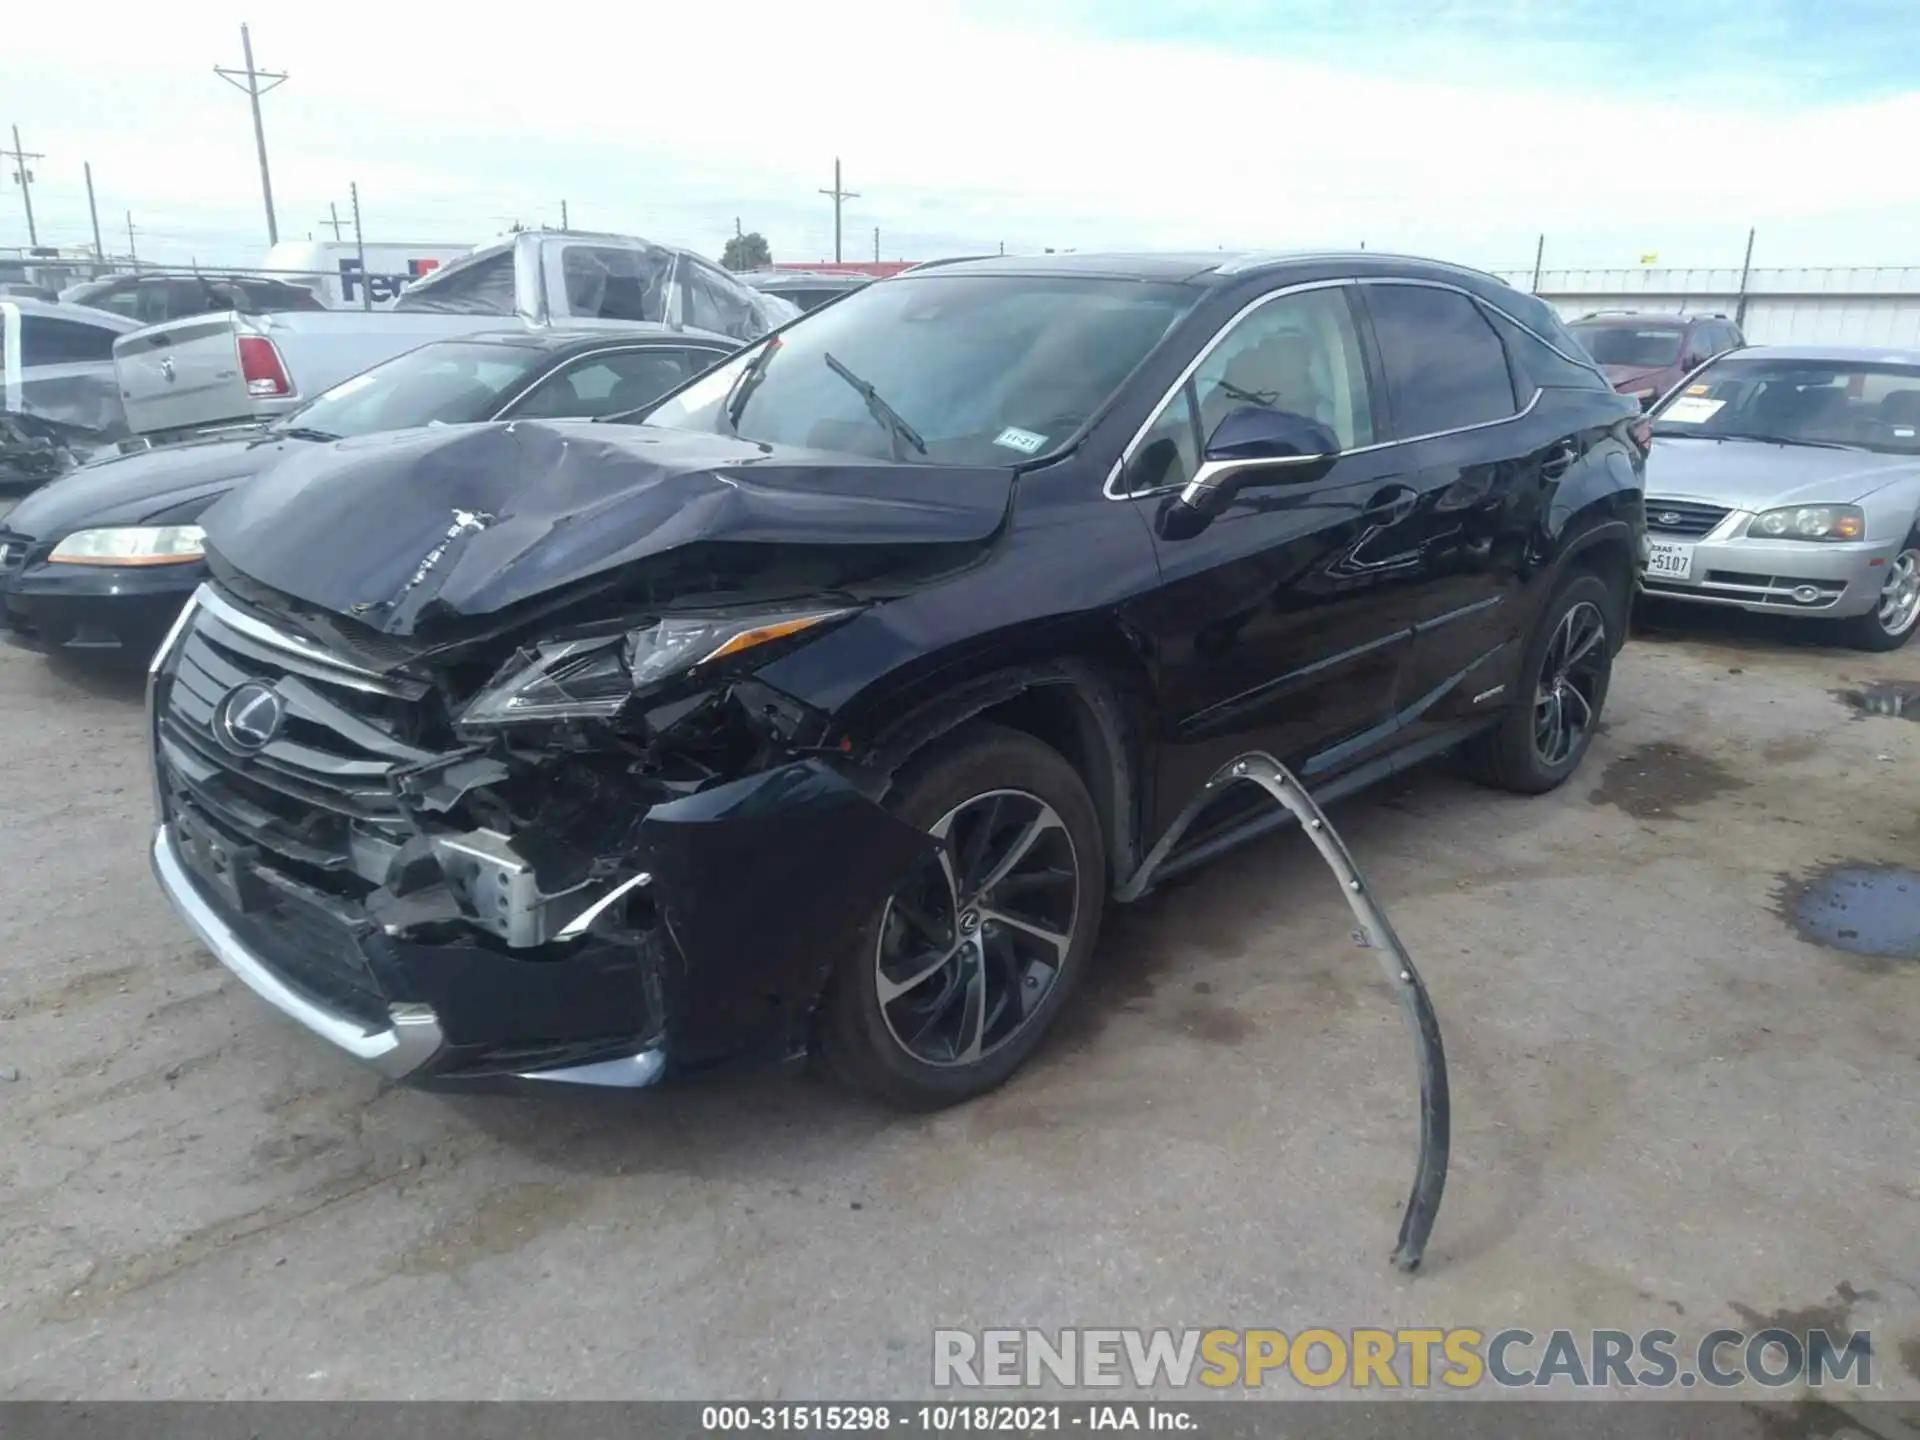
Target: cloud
{"points": [[1452, 127]]}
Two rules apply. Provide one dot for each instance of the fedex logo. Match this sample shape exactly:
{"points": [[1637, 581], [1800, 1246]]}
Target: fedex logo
{"points": [[380, 287]]}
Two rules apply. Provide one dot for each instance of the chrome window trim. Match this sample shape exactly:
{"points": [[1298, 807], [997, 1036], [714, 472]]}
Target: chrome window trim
{"points": [[1111, 489]]}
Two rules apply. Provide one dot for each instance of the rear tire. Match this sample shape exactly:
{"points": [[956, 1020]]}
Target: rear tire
{"points": [[959, 975], [1564, 676], [1896, 613]]}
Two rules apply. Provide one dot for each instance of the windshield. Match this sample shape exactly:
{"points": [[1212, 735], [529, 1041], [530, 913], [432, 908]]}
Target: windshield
{"points": [[1624, 345], [453, 382], [980, 369], [1800, 402]]}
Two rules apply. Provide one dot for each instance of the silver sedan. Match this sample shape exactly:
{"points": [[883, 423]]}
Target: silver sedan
{"points": [[1786, 479]]}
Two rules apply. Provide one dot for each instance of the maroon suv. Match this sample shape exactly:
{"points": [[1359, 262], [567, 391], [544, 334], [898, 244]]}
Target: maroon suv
{"points": [[1645, 355]]}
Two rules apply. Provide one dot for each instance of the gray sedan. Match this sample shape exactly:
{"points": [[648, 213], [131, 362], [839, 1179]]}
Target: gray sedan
{"points": [[1786, 480]]}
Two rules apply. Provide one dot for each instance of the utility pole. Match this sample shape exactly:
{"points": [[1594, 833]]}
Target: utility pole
{"points": [[360, 246], [93, 212], [333, 218], [132, 254], [1739, 309], [876, 244], [255, 90], [23, 177], [1539, 254], [563, 216], [736, 227], [838, 195]]}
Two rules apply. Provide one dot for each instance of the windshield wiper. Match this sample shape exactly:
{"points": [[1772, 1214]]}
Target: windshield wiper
{"points": [[304, 432], [888, 418], [1263, 398], [749, 382]]}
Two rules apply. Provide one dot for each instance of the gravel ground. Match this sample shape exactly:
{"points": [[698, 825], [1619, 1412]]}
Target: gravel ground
{"points": [[1669, 1109]]}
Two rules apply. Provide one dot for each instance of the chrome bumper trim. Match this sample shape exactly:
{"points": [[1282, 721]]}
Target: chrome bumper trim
{"points": [[631, 1072], [412, 1039]]}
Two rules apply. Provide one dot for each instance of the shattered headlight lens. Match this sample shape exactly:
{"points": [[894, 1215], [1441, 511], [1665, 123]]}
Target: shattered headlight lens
{"points": [[1810, 522], [592, 677], [131, 545]]}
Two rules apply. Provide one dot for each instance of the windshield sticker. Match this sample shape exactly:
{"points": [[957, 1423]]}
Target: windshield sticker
{"points": [[352, 384], [1698, 389], [1690, 410], [1025, 441]]}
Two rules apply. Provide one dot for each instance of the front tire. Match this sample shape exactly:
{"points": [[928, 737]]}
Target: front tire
{"points": [[957, 978], [1564, 676], [1896, 613]]}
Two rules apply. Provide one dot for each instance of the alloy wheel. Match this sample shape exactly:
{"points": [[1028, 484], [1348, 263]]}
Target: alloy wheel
{"points": [[971, 944], [1572, 672], [1900, 597]]}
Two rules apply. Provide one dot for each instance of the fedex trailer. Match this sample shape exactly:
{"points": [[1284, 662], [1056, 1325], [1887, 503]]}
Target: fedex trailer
{"points": [[333, 268]]}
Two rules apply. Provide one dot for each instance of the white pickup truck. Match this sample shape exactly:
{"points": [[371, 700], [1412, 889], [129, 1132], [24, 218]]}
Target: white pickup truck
{"points": [[216, 371]]}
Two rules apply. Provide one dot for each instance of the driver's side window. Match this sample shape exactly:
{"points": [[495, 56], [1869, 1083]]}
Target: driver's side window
{"points": [[1298, 353]]}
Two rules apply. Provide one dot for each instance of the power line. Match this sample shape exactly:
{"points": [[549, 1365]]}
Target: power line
{"points": [[23, 177], [255, 90], [838, 195]]}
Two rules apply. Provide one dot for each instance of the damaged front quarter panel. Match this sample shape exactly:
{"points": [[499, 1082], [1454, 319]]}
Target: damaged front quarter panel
{"points": [[760, 882]]}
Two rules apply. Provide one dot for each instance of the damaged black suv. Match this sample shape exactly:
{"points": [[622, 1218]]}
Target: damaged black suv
{"points": [[824, 707]]}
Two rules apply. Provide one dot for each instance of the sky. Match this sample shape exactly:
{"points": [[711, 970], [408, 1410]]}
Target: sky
{"points": [[1462, 129]]}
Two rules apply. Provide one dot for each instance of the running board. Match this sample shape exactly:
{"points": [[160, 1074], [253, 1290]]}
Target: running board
{"points": [[1430, 1173]]}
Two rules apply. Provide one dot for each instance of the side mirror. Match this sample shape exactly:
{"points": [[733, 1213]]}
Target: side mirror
{"points": [[1255, 435], [1250, 446]]}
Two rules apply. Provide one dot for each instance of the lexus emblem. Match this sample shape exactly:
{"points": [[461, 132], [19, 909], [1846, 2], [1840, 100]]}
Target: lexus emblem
{"points": [[1667, 517], [166, 368], [248, 718]]}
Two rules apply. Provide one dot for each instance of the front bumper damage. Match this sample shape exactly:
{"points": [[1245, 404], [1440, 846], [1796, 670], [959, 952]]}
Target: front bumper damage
{"points": [[706, 939]]}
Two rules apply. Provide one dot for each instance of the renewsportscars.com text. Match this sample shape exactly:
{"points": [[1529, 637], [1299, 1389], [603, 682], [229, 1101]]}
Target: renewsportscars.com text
{"points": [[1415, 1359]]}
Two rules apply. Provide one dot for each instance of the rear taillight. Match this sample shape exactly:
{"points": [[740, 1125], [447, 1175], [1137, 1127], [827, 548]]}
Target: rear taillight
{"points": [[260, 367]]}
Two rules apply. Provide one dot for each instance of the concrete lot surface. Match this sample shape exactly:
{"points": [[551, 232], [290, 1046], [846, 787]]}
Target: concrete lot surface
{"points": [[1669, 1109]]}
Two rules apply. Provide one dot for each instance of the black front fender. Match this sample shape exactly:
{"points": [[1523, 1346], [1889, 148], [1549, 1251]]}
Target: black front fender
{"points": [[762, 883]]}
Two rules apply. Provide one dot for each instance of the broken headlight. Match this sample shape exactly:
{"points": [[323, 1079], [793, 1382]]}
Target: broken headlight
{"points": [[591, 677]]}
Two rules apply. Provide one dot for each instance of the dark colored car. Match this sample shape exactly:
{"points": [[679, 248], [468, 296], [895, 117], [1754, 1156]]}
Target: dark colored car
{"points": [[827, 710], [157, 297], [809, 289], [1646, 355], [101, 560]]}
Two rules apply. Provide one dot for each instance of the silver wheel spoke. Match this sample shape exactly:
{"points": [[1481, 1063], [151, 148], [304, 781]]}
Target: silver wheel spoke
{"points": [[973, 1017], [891, 990], [1055, 938], [1593, 638], [1023, 842], [1586, 710]]}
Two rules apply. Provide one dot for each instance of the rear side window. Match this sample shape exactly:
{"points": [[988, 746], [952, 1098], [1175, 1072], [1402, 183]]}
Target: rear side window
{"points": [[1445, 366], [62, 342], [1540, 367]]}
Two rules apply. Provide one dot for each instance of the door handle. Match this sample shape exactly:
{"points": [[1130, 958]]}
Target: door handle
{"points": [[1559, 460], [1391, 505]]}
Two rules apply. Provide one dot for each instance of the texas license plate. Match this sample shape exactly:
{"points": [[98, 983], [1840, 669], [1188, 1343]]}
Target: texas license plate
{"points": [[1668, 561]]}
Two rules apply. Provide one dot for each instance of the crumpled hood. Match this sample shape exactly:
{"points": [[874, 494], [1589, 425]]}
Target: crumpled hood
{"points": [[149, 484], [1753, 475], [470, 519]]}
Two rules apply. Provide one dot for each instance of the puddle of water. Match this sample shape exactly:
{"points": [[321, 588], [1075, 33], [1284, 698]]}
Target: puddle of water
{"points": [[1871, 910], [1655, 781], [1899, 698]]}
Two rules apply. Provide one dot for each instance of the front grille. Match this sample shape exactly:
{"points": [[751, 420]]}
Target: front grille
{"points": [[1683, 517], [319, 788]]}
